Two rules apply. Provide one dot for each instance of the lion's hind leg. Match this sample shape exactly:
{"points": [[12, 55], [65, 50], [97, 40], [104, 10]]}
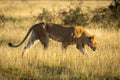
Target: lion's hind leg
{"points": [[44, 41], [30, 43], [42, 35]]}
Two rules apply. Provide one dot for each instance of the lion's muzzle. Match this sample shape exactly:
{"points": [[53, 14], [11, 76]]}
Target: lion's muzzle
{"points": [[94, 49]]}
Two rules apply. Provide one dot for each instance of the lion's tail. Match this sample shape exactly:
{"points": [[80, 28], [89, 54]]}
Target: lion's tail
{"points": [[11, 45]]}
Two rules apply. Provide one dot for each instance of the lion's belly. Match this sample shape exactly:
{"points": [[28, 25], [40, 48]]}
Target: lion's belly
{"points": [[58, 32], [57, 37]]}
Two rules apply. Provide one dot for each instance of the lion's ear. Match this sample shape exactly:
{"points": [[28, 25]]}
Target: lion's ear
{"points": [[43, 23], [92, 37]]}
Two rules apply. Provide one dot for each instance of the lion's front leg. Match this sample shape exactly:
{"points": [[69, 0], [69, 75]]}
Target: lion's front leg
{"points": [[81, 48]]}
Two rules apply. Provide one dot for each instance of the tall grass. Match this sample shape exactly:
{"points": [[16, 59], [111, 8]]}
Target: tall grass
{"points": [[52, 64]]}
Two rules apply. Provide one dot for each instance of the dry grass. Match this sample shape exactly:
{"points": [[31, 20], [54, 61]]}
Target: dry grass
{"points": [[53, 64], [24, 9], [103, 64]]}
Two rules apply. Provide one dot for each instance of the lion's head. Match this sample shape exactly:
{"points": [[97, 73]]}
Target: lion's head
{"points": [[92, 43], [82, 38], [86, 40]]}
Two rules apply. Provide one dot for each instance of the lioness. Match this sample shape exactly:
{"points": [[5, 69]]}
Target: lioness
{"points": [[66, 35]]}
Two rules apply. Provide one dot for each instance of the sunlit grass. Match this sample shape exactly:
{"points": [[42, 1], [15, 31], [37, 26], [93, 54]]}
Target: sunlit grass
{"points": [[54, 64]]}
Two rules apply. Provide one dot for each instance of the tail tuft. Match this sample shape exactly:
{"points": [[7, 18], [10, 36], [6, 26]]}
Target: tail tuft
{"points": [[10, 44]]}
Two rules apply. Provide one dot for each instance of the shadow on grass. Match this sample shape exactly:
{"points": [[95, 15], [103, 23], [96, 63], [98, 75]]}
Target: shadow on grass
{"points": [[46, 72]]}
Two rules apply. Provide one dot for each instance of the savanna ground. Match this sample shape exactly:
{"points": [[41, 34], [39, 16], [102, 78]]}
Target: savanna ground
{"points": [[53, 64]]}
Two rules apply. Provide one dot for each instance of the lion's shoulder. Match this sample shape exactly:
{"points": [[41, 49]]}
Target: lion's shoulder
{"points": [[78, 31]]}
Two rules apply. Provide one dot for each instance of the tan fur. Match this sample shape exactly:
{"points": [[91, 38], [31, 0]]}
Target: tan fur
{"points": [[66, 35], [77, 31]]}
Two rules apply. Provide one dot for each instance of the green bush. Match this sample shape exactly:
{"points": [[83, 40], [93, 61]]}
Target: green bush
{"points": [[74, 15], [107, 17]]}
